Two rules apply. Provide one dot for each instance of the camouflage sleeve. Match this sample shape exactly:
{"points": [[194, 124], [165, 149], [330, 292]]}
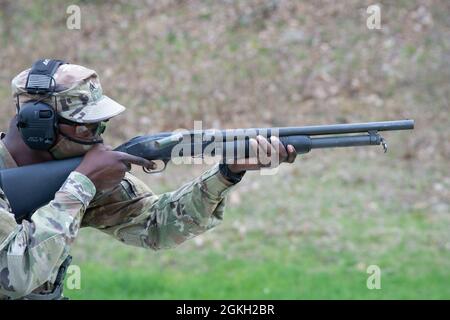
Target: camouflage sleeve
{"points": [[32, 252], [162, 221]]}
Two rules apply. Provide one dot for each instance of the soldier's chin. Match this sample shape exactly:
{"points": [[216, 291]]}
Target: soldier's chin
{"points": [[66, 148]]}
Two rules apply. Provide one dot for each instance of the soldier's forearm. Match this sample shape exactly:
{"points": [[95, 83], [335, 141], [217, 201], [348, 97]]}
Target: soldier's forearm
{"points": [[171, 218]]}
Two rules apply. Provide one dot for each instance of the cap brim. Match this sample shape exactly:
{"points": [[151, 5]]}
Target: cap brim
{"points": [[103, 109]]}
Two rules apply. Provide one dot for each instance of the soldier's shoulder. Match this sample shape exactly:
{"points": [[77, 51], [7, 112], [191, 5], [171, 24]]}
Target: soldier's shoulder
{"points": [[4, 204], [7, 221]]}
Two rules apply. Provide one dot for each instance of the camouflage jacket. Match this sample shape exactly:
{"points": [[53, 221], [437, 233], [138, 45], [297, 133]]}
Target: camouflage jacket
{"points": [[32, 252]]}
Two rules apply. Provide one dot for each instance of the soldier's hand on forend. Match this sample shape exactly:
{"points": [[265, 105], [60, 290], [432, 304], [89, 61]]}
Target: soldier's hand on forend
{"points": [[106, 168], [266, 155]]}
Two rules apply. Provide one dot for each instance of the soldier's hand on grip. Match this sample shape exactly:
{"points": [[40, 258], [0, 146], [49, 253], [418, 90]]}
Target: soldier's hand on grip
{"points": [[106, 168]]}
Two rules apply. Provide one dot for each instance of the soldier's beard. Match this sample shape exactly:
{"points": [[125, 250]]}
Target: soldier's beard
{"points": [[68, 148]]}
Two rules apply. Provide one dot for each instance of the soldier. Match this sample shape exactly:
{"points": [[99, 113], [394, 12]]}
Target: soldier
{"points": [[100, 193]]}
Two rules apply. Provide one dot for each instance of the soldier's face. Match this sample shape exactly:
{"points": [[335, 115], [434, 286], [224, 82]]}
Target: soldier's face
{"points": [[76, 140], [83, 132]]}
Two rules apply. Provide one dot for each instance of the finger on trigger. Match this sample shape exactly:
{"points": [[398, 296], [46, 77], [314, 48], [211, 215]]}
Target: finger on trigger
{"points": [[129, 158], [153, 165]]}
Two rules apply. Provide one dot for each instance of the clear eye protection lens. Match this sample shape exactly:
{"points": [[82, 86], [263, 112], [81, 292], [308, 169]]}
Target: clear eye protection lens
{"points": [[95, 129], [86, 131], [101, 128]]}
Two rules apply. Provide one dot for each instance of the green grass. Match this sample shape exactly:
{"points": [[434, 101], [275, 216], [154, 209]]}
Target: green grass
{"points": [[298, 275], [289, 248]]}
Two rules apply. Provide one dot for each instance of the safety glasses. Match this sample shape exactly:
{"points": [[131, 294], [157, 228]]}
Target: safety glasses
{"points": [[86, 130]]}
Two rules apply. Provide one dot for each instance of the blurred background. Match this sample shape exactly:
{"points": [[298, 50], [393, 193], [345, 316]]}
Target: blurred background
{"points": [[312, 230]]}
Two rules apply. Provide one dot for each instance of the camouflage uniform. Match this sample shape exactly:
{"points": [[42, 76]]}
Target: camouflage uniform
{"points": [[32, 252]]}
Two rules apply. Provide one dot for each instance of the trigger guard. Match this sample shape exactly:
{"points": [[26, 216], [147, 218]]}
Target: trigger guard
{"points": [[149, 171]]}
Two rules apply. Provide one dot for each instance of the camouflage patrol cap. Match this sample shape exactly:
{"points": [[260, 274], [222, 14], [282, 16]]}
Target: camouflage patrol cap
{"points": [[78, 95]]}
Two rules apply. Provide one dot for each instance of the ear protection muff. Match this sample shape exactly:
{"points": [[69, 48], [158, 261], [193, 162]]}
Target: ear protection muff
{"points": [[38, 121], [37, 124]]}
